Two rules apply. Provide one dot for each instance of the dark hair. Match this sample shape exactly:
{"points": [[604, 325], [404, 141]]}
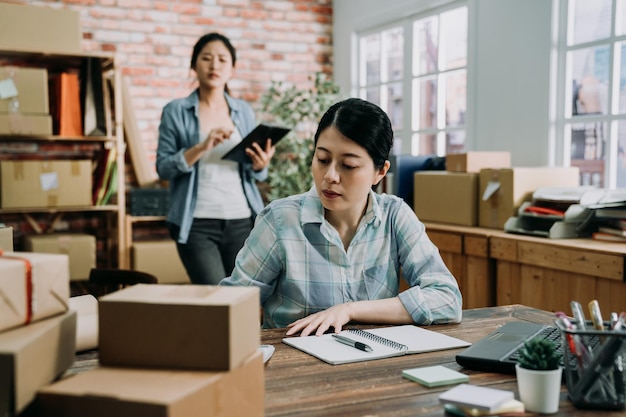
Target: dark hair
{"points": [[212, 37], [362, 122]]}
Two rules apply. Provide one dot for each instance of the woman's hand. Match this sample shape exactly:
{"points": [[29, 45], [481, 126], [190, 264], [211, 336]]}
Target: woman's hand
{"points": [[215, 137], [260, 157], [335, 317]]}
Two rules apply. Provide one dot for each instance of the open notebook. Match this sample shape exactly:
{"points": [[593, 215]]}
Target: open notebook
{"points": [[385, 342]]}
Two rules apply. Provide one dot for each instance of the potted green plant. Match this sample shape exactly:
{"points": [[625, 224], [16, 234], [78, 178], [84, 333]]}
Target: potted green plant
{"points": [[539, 376], [300, 109]]}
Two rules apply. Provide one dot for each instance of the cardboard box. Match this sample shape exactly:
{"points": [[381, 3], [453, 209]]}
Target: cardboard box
{"points": [[30, 297], [55, 183], [446, 197], [31, 86], [39, 29], [80, 248], [6, 239], [160, 258], [124, 392], [475, 161], [197, 327], [33, 356], [502, 191], [25, 124]]}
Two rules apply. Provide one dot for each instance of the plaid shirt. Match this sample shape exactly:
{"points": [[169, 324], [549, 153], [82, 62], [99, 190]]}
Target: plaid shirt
{"points": [[298, 261]]}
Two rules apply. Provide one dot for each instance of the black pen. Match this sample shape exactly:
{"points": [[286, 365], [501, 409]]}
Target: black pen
{"points": [[353, 343]]}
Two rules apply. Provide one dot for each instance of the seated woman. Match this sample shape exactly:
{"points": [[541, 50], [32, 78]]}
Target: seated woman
{"points": [[333, 255]]}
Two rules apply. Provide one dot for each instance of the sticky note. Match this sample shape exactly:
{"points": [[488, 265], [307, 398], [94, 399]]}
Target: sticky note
{"points": [[435, 376]]}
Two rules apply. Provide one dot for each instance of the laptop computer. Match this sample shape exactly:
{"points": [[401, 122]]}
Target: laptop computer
{"points": [[499, 351]]}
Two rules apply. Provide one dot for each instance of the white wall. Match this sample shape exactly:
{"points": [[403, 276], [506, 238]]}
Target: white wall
{"points": [[508, 69]]}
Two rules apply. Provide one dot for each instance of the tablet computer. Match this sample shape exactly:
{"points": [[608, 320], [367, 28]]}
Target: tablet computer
{"points": [[258, 135]]}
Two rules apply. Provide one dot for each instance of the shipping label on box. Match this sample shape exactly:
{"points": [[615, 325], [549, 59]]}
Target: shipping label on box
{"points": [[80, 248], [56, 183], [33, 356], [179, 326], [6, 239], [24, 90], [502, 191], [33, 286], [475, 161], [160, 258], [446, 197], [127, 392]]}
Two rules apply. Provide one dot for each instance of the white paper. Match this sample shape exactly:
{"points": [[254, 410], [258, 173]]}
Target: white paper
{"points": [[49, 181]]}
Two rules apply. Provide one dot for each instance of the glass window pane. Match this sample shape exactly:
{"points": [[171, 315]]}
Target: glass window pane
{"points": [[455, 142], [394, 105], [620, 20], [453, 42], [590, 20], [590, 76], [621, 94], [424, 144], [370, 59], [393, 51], [372, 94], [425, 47], [621, 154], [588, 141], [424, 103], [455, 91]]}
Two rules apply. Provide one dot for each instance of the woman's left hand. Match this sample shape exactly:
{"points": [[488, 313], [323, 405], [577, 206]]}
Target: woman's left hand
{"points": [[260, 157], [335, 317]]}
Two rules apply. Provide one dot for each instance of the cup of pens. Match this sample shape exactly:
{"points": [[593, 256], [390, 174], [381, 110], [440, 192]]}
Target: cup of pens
{"points": [[594, 356]]}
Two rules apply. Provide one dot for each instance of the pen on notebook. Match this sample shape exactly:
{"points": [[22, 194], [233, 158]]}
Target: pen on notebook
{"points": [[353, 343]]}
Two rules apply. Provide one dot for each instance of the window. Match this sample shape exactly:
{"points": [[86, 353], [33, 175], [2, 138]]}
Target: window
{"points": [[434, 48], [591, 117]]}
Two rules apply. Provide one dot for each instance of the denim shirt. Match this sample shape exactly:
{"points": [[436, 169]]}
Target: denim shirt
{"points": [[180, 130]]}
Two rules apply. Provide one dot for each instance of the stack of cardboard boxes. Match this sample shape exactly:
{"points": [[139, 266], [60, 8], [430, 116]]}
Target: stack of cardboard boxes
{"points": [[482, 189], [37, 330], [170, 350]]}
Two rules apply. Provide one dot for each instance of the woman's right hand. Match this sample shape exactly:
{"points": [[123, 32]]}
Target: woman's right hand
{"points": [[215, 137]]}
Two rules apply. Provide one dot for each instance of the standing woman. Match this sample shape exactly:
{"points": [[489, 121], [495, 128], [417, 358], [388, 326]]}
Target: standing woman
{"points": [[212, 201]]}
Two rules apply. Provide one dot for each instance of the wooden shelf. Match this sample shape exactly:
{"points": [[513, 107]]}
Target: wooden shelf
{"points": [[21, 210], [54, 138]]}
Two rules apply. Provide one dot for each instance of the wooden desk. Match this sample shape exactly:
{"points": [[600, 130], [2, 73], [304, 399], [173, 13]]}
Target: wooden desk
{"points": [[297, 384]]}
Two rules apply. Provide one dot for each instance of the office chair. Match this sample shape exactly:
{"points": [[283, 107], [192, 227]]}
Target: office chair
{"points": [[106, 280]]}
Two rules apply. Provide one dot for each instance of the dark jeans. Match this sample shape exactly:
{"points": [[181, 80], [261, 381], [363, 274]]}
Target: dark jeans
{"points": [[209, 254]]}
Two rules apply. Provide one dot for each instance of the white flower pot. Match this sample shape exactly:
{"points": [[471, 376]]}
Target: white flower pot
{"points": [[539, 390]]}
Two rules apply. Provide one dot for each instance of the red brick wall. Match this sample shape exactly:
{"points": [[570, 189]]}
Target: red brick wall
{"points": [[283, 40]]}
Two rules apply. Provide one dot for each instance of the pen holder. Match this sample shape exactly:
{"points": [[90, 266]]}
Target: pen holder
{"points": [[593, 366]]}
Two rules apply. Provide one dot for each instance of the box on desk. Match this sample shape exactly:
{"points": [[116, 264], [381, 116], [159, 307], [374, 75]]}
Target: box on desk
{"points": [[502, 191], [179, 326], [58, 183], [33, 356], [446, 197], [6, 239], [80, 248], [30, 86], [33, 286], [127, 392], [475, 161], [160, 258]]}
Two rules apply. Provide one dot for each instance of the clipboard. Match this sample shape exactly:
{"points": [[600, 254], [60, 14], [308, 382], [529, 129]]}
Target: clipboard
{"points": [[258, 135]]}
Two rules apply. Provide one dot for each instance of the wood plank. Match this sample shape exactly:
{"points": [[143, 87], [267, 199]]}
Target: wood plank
{"points": [[448, 242], [503, 248], [508, 286], [572, 260], [476, 246], [480, 285]]}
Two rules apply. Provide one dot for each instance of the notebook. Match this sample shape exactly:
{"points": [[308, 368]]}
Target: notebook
{"points": [[498, 351], [258, 135], [385, 342], [476, 396]]}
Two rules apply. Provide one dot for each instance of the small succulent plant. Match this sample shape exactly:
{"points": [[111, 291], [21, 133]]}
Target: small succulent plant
{"points": [[539, 355]]}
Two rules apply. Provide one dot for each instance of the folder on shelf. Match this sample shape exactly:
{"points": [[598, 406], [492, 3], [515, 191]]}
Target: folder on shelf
{"points": [[93, 98], [65, 105]]}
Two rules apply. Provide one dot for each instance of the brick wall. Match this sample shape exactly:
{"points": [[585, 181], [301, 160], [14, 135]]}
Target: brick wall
{"points": [[283, 40]]}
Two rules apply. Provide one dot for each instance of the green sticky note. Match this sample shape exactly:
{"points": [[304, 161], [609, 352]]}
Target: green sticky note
{"points": [[435, 376]]}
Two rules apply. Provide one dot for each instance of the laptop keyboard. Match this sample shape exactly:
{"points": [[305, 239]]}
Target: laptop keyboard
{"points": [[549, 332]]}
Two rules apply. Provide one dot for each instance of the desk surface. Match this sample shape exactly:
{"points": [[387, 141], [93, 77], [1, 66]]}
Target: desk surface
{"points": [[297, 384]]}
